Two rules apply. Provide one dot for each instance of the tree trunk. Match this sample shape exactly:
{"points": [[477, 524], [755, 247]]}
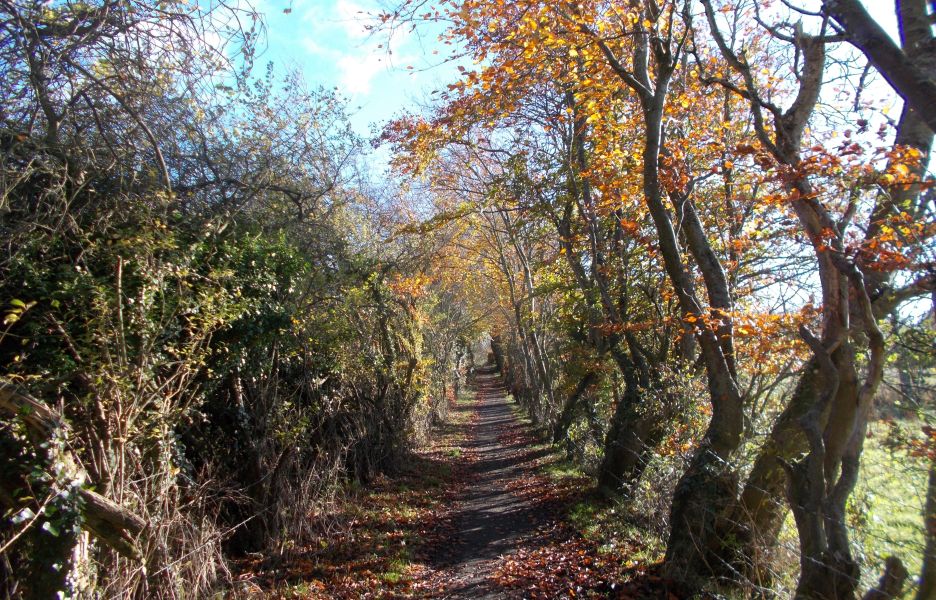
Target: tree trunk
{"points": [[891, 584], [709, 486], [760, 515], [755, 522], [571, 404], [905, 74], [636, 429], [55, 558], [110, 523], [927, 589]]}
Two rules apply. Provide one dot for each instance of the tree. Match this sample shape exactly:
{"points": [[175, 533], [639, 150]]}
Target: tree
{"points": [[908, 68], [830, 407]]}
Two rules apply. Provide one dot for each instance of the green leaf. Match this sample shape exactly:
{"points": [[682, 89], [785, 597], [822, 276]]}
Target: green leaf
{"points": [[52, 529]]}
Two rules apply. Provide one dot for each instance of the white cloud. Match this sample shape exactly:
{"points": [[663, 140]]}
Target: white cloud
{"points": [[343, 17], [331, 39], [312, 46], [358, 71], [352, 18]]}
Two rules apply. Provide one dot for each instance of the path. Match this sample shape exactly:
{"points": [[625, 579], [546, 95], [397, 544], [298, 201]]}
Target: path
{"points": [[491, 521], [473, 516]]}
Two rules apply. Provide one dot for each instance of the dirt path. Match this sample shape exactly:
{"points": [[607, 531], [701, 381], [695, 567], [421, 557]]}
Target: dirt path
{"points": [[471, 516], [491, 521]]}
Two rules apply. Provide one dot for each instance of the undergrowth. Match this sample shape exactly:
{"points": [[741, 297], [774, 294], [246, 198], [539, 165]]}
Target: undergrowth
{"points": [[379, 541]]}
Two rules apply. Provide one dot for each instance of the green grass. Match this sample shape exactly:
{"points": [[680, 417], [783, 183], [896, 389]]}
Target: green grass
{"points": [[885, 514], [597, 519], [886, 508], [561, 468], [396, 570], [298, 590], [608, 524]]}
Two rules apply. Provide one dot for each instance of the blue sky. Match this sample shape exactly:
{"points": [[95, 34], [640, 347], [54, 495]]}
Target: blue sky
{"points": [[328, 41]]}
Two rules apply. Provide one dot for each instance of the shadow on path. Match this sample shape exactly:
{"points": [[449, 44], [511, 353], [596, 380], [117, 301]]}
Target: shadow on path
{"points": [[491, 522]]}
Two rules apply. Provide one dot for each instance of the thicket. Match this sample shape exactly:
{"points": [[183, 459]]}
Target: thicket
{"points": [[207, 327]]}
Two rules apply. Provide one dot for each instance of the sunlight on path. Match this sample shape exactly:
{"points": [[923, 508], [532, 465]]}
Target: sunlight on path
{"points": [[491, 522]]}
